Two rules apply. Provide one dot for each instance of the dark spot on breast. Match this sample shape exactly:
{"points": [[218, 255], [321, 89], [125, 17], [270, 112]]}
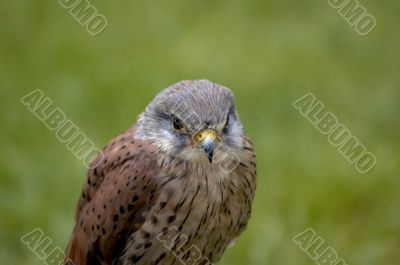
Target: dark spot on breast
{"points": [[171, 218], [154, 220], [115, 218], [136, 258], [162, 256], [162, 205]]}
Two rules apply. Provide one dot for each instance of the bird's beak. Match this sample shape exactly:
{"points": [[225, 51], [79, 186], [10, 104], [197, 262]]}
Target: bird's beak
{"points": [[206, 139]]}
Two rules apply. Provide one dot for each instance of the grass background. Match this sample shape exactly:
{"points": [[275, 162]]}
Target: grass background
{"points": [[269, 53]]}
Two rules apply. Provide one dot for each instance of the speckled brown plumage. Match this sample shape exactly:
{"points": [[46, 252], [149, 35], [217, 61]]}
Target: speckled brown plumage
{"points": [[137, 193]]}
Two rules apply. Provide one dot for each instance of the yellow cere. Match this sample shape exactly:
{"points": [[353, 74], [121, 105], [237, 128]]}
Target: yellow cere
{"points": [[207, 133]]}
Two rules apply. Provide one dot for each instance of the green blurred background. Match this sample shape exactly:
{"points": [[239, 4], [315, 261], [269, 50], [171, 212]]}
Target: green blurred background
{"points": [[269, 53]]}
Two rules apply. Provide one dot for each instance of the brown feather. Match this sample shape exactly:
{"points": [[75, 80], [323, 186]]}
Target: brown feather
{"points": [[116, 194]]}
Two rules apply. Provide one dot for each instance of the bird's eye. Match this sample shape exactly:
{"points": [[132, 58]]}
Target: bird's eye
{"points": [[177, 124]]}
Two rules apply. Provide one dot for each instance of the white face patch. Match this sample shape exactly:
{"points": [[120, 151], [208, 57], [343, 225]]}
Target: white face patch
{"points": [[166, 141]]}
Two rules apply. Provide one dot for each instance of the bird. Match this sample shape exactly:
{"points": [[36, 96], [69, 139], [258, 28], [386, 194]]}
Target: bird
{"points": [[176, 187]]}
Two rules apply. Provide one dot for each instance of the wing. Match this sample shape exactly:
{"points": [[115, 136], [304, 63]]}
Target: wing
{"points": [[118, 190]]}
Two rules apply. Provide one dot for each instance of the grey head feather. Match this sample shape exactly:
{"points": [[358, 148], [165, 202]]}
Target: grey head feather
{"points": [[199, 104]]}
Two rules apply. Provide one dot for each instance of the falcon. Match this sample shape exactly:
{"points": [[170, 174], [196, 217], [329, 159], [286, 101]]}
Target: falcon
{"points": [[175, 188]]}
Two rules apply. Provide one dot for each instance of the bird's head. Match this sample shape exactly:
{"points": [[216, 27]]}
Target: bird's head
{"points": [[194, 120]]}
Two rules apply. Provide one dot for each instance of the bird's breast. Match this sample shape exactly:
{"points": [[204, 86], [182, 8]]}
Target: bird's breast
{"points": [[194, 217]]}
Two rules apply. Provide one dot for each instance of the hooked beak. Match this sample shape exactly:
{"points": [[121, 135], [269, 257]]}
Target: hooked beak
{"points": [[206, 139]]}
